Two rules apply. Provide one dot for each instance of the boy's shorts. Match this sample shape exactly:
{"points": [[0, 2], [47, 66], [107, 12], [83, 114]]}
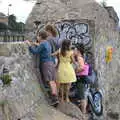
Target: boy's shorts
{"points": [[49, 72], [82, 90]]}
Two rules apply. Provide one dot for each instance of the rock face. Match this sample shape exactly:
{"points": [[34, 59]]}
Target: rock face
{"points": [[104, 34], [24, 99], [71, 110], [112, 14], [78, 20], [56, 10]]}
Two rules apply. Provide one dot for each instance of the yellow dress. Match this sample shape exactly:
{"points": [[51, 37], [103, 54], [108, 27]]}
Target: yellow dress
{"points": [[66, 73]]}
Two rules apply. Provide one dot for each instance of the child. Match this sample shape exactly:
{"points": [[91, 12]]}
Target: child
{"points": [[47, 65], [66, 74], [52, 39], [81, 86]]}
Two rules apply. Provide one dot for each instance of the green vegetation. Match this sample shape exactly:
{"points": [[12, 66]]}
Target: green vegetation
{"points": [[13, 25], [3, 102], [6, 79], [104, 3], [3, 26]]}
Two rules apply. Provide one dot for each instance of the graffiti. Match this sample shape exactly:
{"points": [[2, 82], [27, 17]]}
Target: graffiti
{"points": [[76, 32]]}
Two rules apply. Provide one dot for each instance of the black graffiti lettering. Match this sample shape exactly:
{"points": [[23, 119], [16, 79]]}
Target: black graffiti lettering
{"points": [[76, 32]]}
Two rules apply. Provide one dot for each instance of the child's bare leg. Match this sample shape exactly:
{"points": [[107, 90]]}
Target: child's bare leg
{"points": [[58, 86], [59, 91], [53, 87], [62, 92], [83, 106], [68, 85]]}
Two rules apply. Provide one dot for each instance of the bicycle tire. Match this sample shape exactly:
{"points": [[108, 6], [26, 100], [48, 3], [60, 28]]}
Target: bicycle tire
{"points": [[93, 105]]}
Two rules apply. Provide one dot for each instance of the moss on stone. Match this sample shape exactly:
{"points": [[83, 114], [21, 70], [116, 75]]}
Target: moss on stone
{"points": [[3, 102], [6, 79]]}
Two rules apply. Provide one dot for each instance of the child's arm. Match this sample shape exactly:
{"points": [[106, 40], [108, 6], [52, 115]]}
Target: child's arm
{"points": [[72, 58], [81, 64], [36, 50], [55, 53], [36, 43]]}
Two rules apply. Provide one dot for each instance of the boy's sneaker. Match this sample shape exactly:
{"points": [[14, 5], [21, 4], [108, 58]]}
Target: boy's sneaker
{"points": [[54, 100]]}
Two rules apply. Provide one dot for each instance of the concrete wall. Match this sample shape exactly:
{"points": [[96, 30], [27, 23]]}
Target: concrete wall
{"points": [[23, 99], [105, 35]]}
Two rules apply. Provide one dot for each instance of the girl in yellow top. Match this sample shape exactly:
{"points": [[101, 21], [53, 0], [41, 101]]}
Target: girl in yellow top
{"points": [[66, 74]]}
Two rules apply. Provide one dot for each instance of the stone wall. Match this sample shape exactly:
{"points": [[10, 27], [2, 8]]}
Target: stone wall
{"points": [[108, 72], [112, 14], [106, 34], [56, 10], [23, 99]]}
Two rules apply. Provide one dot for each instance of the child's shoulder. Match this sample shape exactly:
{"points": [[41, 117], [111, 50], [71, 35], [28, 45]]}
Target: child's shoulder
{"points": [[80, 58], [71, 52], [45, 43]]}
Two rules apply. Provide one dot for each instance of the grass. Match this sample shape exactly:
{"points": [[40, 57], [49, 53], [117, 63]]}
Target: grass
{"points": [[6, 79]]}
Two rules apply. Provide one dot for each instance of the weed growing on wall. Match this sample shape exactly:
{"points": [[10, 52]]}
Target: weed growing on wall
{"points": [[6, 79]]}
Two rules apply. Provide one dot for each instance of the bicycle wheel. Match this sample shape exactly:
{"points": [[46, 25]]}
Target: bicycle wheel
{"points": [[96, 104]]}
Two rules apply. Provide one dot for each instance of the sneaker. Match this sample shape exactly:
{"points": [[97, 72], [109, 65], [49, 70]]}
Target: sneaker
{"points": [[54, 100]]}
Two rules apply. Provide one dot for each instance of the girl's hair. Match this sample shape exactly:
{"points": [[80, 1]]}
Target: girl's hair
{"points": [[51, 29], [80, 48], [43, 35], [65, 47]]}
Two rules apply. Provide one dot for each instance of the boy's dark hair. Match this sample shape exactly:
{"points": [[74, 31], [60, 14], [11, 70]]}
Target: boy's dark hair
{"points": [[80, 48], [43, 35], [51, 29], [65, 47]]}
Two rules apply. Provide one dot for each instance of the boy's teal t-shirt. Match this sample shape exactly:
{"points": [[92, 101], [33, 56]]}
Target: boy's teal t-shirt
{"points": [[44, 50]]}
